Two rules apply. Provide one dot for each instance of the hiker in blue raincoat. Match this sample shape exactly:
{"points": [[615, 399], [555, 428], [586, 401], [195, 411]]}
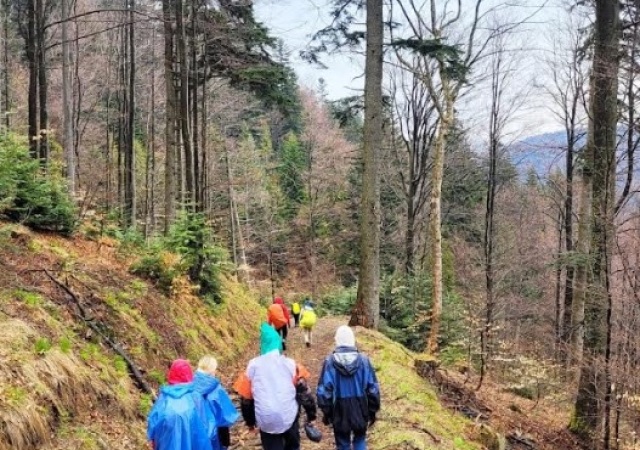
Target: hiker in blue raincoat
{"points": [[177, 420], [219, 412]]}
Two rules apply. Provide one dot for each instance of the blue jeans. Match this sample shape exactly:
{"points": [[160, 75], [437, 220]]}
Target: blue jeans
{"points": [[345, 441]]}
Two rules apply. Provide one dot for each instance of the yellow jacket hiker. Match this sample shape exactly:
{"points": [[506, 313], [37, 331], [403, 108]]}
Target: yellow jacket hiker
{"points": [[295, 310], [308, 320]]}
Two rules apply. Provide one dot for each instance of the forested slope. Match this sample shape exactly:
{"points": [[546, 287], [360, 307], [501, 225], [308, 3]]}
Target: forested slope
{"points": [[62, 384]]}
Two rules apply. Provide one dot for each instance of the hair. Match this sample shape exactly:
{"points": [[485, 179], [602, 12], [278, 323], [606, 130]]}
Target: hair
{"points": [[208, 364]]}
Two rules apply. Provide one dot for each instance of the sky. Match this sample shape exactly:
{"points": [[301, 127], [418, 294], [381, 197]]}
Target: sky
{"points": [[296, 20]]}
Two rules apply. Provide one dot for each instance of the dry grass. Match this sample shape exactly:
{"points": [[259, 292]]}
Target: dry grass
{"points": [[24, 426], [60, 386], [38, 390]]}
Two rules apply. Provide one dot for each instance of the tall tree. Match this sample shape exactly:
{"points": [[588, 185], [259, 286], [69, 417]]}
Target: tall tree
{"points": [[6, 96], [567, 90], [366, 311], [67, 100], [29, 36], [598, 301], [444, 78], [41, 64], [130, 192], [171, 114]]}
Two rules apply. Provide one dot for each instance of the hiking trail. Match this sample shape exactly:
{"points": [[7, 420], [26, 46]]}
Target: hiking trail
{"points": [[312, 358]]}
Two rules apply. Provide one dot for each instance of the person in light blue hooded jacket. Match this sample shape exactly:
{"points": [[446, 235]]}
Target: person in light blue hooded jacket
{"points": [[219, 409], [177, 419]]}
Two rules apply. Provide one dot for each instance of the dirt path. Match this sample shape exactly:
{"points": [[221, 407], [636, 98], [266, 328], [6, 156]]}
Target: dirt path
{"points": [[312, 358]]}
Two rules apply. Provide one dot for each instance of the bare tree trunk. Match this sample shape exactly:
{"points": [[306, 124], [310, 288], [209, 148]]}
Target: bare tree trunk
{"points": [[170, 118], [597, 344], [367, 309], [204, 169], [108, 140], [152, 196], [583, 249], [150, 162], [435, 217], [67, 101], [194, 109], [43, 128], [6, 8], [121, 58], [312, 228], [232, 221], [558, 319], [486, 333], [568, 236], [130, 197], [184, 103], [411, 226], [33, 78]]}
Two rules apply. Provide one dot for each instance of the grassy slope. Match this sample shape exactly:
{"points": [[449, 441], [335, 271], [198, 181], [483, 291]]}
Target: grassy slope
{"points": [[60, 386], [410, 405]]}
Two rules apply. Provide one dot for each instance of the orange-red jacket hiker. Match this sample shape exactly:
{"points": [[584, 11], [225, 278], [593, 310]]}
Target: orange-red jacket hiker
{"points": [[278, 316]]}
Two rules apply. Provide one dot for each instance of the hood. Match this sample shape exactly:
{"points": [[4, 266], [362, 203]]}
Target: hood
{"points": [[278, 301], [345, 337], [269, 339], [308, 302], [180, 372], [204, 384], [177, 390], [346, 360]]}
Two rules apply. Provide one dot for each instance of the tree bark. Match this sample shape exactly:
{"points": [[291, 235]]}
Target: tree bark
{"points": [[33, 78], [367, 309], [411, 225], [6, 8], [184, 104], [67, 102], [486, 333], [194, 110], [558, 318], [170, 118], [130, 196], [43, 127], [568, 236], [435, 216], [597, 340]]}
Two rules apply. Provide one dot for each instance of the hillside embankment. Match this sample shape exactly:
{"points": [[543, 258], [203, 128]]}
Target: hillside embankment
{"points": [[85, 345]]}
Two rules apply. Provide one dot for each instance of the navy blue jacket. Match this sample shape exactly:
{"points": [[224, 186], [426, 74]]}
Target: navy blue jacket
{"points": [[348, 391]]}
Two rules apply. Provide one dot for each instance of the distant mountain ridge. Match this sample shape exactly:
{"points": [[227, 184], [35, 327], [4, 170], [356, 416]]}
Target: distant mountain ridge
{"points": [[546, 153]]}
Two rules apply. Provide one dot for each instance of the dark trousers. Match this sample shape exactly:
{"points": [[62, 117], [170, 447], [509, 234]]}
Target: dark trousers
{"points": [[289, 440], [283, 332], [296, 318], [351, 441]]}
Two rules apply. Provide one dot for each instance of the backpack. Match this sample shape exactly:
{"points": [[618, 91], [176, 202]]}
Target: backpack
{"points": [[275, 315], [295, 308], [308, 319]]}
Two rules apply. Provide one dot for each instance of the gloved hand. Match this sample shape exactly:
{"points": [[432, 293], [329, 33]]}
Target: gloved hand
{"points": [[326, 419], [372, 419]]}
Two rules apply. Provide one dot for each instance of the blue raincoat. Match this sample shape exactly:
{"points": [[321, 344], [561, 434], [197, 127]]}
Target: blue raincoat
{"points": [[177, 420], [220, 411]]}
